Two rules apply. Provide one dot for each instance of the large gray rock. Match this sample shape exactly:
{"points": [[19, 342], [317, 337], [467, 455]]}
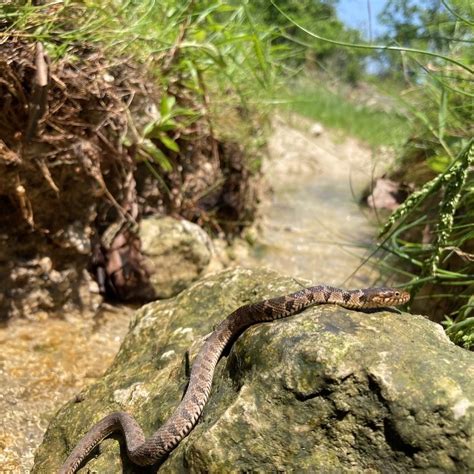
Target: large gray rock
{"points": [[176, 252], [329, 390]]}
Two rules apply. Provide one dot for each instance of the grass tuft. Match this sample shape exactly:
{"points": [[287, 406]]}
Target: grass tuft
{"points": [[374, 127]]}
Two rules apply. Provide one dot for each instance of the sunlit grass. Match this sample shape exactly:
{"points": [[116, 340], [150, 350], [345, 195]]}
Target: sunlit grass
{"points": [[372, 126], [207, 43]]}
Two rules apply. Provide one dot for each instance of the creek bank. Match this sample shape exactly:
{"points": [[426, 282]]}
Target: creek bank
{"points": [[73, 187], [329, 389]]}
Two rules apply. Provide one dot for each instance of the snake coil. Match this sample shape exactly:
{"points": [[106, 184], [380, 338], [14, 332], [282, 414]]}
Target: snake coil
{"points": [[149, 451]]}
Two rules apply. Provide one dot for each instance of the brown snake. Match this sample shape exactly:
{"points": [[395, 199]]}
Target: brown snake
{"points": [[149, 451]]}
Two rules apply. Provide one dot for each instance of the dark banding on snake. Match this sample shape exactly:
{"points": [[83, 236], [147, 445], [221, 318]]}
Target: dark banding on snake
{"points": [[149, 451], [174, 430]]}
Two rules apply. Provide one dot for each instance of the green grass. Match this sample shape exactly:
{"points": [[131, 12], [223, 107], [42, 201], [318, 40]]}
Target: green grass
{"points": [[374, 127], [209, 43], [212, 55], [440, 264]]}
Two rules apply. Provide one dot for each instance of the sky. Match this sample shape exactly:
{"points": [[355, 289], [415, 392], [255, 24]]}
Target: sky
{"points": [[355, 14]]}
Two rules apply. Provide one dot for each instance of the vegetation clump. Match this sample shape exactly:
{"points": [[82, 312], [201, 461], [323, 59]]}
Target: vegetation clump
{"points": [[424, 58], [431, 234], [98, 129]]}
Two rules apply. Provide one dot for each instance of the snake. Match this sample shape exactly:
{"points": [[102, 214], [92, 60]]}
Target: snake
{"points": [[159, 445]]}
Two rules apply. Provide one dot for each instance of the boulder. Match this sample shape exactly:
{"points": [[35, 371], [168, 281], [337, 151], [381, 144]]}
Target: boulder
{"points": [[176, 252], [328, 390]]}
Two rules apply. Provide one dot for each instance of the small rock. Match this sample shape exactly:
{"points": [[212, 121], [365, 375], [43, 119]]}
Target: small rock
{"points": [[316, 129], [176, 253], [36, 286], [387, 194]]}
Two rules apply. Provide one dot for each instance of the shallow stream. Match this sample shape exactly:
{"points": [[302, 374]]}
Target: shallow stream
{"points": [[312, 226]]}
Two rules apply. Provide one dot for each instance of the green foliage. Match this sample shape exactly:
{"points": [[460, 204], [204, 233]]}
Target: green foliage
{"points": [[433, 25], [432, 231], [455, 180], [462, 331], [374, 127], [209, 40], [188, 47], [313, 14], [431, 234], [318, 15], [158, 130]]}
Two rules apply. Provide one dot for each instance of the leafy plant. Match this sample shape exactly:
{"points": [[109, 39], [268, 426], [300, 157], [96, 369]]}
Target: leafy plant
{"points": [[158, 131], [431, 234]]}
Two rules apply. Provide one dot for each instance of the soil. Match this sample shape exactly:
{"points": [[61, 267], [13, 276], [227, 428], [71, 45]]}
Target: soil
{"points": [[43, 363]]}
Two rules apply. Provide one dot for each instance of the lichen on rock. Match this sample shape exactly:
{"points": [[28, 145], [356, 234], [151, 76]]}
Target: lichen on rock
{"points": [[328, 390]]}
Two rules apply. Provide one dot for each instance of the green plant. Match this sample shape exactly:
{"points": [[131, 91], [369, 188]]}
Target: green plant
{"points": [[206, 57], [157, 131], [202, 45], [461, 331], [432, 231], [430, 236], [374, 127]]}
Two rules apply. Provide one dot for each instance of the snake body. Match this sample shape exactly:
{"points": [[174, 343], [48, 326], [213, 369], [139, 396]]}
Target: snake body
{"points": [[149, 451]]}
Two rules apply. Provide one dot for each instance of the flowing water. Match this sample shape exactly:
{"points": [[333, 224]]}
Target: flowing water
{"points": [[311, 228]]}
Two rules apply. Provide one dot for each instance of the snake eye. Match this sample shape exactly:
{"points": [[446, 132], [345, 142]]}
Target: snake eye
{"points": [[397, 293]]}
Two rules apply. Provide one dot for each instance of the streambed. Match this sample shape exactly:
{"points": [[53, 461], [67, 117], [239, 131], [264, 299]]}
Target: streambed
{"points": [[312, 226]]}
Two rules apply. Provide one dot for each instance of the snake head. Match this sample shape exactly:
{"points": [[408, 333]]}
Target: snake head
{"points": [[379, 297]]}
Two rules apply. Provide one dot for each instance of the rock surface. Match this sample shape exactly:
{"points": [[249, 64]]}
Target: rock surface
{"points": [[176, 251], [316, 129], [329, 390], [387, 194]]}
